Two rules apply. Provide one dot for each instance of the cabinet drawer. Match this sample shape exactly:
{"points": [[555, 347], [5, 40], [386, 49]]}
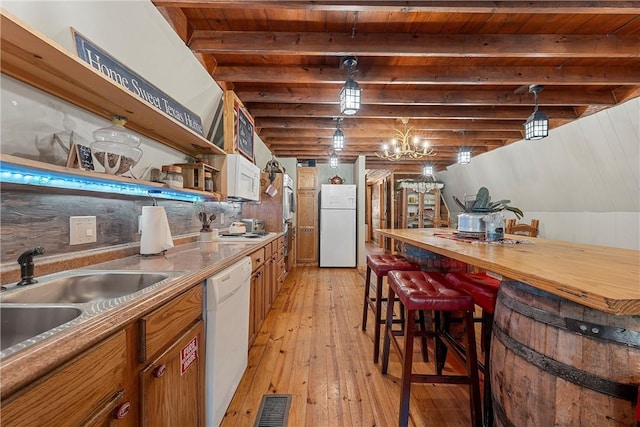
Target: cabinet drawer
{"points": [[280, 242], [162, 326], [77, 392], [257, 259]]}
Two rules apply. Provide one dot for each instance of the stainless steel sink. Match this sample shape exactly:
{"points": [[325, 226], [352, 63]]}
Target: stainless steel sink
{"points": [[29, 314], [85, 287], [20, 323]]}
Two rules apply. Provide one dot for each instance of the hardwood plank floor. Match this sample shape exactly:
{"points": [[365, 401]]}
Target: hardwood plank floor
{"points": [[312, 347]]}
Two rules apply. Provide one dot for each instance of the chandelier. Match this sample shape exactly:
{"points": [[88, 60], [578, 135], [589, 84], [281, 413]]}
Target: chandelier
{"points": [[403, 145]]}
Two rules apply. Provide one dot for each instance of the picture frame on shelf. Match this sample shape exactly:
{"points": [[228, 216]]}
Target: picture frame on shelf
{"points": [[244, 132], [80, 157], [412, 198]]}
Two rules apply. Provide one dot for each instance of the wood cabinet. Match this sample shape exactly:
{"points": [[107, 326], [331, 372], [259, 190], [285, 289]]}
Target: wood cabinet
{"points": [[172, 387], [172, 384], [267, 276], [307, 179], [307, 216], [307, 227], [257, 293], [89, 390], [280, 265], [420, 210]]}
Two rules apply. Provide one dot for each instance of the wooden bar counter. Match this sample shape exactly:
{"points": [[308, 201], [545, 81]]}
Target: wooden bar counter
{"points": [[565, 346], [604, 278]]}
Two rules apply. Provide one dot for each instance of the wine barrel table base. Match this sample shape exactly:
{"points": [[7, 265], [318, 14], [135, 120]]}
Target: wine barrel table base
{"points": [[558, 363]]}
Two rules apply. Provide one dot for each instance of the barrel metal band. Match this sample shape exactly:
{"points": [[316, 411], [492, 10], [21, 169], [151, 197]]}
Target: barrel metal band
{"points": [[592, 330], [567, 372]]}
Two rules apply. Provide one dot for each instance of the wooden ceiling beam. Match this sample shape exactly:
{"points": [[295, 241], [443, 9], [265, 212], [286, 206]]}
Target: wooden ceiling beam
{"points": [[434, 75], [384, 134], [408, 111], [368, 144], [383, 123], [420, 96], [416, 45], [447, 6]]}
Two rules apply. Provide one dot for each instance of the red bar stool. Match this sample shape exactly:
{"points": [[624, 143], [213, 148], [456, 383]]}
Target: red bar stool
{"points": [[419, 290], [382, 264], [484, 290]]}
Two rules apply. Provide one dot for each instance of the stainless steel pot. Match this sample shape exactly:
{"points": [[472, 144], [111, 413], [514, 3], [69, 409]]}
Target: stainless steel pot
{"points": [[471, 222]]}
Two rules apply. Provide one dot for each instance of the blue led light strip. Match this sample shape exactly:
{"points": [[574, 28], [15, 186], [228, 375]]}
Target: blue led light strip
{"points": [[15, 174]]}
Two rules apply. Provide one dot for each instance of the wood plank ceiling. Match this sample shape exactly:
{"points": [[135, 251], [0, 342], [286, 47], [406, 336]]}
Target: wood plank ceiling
{"points": [[458, 70]]}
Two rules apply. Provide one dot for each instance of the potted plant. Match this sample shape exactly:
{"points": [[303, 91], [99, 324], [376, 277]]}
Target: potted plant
{"points": [[206, 233]]}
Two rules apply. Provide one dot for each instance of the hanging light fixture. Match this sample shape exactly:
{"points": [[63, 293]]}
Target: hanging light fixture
{"points": [[350, 93], [338, 137], [333, 160], [427, 169], [464, 155], [401, 146], [537, 124]]}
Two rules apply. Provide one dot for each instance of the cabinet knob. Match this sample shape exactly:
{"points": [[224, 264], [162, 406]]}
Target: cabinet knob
{"points": [[121, 411], [160, 371]]}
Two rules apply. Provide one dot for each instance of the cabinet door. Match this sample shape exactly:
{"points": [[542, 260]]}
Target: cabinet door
{"points": [[307, 179], [172, 387], [256, 303], [89, 390], [307, 223]]}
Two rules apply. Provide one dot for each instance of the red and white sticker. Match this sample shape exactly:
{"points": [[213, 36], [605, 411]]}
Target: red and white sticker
{"points": [[188, 355]]}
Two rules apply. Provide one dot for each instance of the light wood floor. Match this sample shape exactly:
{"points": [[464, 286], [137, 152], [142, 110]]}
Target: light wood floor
{"points": [[312, 347]]}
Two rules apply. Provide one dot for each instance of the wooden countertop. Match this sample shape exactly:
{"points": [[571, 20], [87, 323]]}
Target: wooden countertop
{"points": [[197, 261], [604, 278]]}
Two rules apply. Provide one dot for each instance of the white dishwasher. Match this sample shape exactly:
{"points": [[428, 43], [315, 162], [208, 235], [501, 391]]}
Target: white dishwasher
{"points": [[227, 336]]}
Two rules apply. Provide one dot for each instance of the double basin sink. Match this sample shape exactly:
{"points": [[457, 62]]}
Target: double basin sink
{"points": [[31, 313]]}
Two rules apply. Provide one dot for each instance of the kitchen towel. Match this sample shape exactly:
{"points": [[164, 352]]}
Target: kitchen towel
{"points": [[156, 234]]}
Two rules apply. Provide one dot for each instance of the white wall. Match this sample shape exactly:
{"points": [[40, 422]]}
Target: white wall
{"points": [[582, 182]]}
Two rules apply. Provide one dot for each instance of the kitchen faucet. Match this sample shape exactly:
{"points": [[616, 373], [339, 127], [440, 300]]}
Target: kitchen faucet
{"points": [[26, 265]]}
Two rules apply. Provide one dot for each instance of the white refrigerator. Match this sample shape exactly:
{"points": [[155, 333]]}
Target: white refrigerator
{"points": [[337, 225]]}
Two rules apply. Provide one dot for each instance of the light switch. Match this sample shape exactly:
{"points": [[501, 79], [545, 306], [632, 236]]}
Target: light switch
{"points": [[82, 229]]}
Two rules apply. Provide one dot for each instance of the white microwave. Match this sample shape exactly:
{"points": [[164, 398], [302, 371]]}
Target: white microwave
{"points": [[243, 178]]}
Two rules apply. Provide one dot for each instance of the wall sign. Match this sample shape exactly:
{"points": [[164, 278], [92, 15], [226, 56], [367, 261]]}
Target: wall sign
{"points": [[80, 157], [101, 61], [244, 133], [188, 355]]}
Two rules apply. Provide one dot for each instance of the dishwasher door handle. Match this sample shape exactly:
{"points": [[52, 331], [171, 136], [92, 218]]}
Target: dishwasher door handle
{"points": [[229, 295]]}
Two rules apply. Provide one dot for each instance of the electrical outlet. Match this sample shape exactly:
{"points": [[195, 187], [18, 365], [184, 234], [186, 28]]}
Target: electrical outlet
{"points": [[221, 217], [82, 229]]}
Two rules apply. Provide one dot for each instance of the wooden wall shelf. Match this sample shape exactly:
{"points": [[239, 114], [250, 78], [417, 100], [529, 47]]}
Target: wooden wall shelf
{"points": [[145, 188], [34, 59]]}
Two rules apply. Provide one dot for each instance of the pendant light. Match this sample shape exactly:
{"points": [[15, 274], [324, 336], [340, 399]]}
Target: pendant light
{"points": [[350, 93], [338, 137], [333, 160], [537, 124], [464, 155]]}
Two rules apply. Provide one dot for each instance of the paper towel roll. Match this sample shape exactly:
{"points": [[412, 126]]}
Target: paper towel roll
{"points": [[156, 234]]}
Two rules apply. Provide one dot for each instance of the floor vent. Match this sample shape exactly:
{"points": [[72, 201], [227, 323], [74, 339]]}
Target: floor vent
{"points": [[274, 410]]}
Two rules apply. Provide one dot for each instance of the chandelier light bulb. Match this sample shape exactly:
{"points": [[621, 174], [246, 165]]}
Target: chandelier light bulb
{"points": [[405, 144]]}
